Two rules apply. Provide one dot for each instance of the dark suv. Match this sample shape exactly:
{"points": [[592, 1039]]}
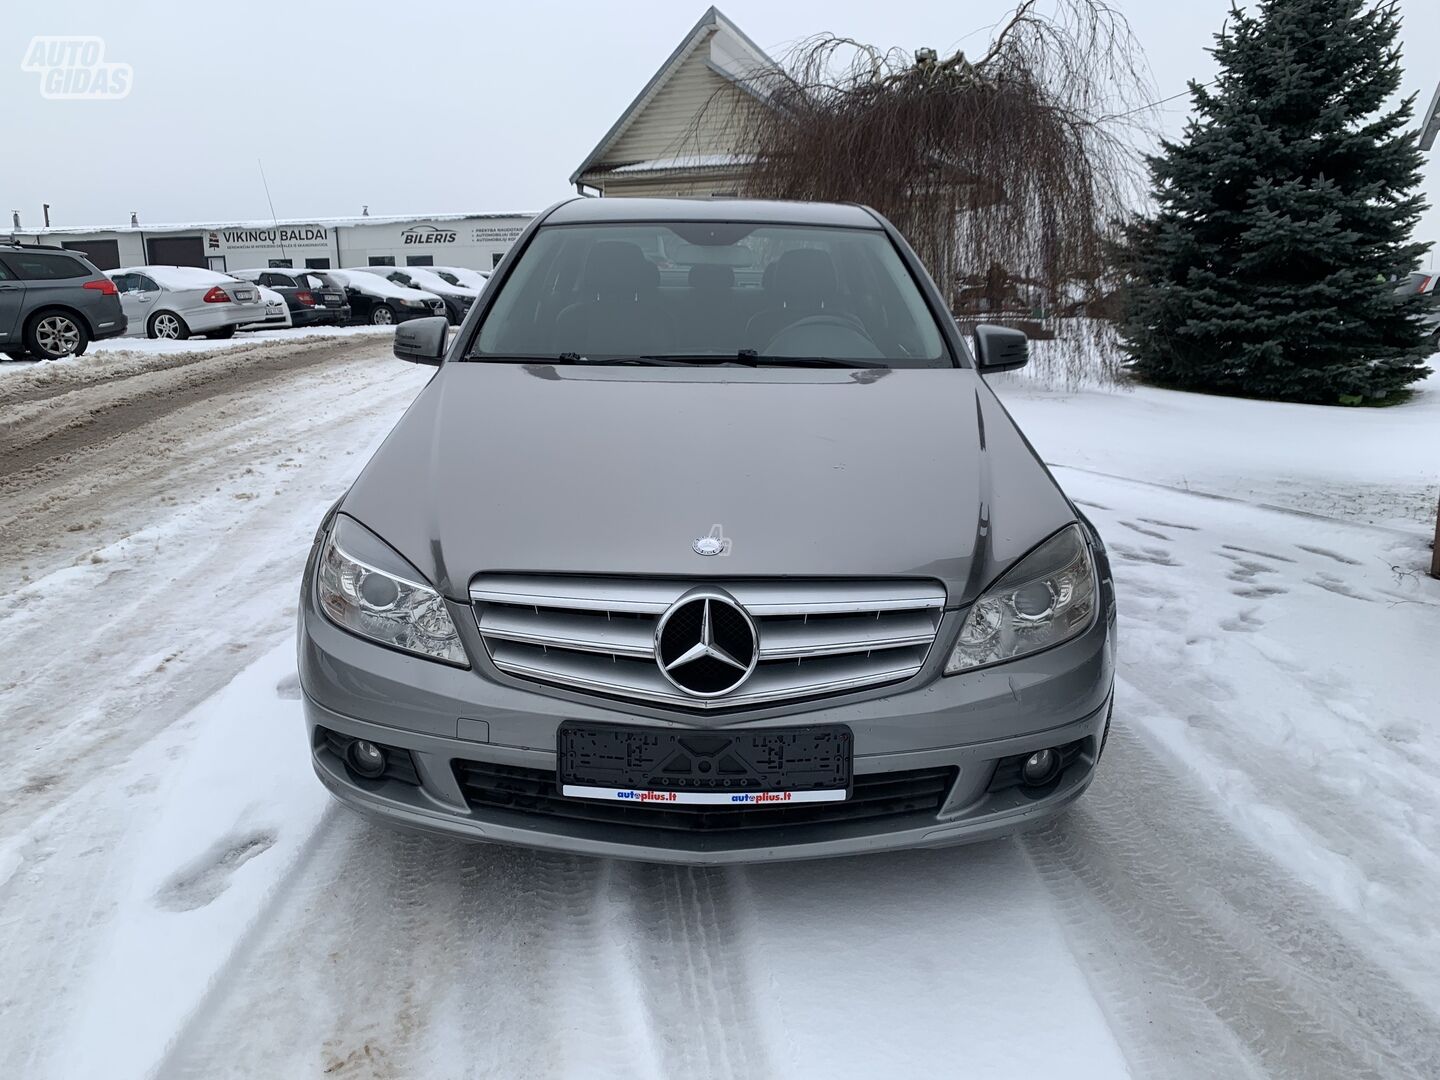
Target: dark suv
{"points": [[311, 302], [53, 303]]}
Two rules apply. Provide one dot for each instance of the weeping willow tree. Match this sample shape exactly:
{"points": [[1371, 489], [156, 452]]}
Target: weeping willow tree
{"points": [[1006, 171]]}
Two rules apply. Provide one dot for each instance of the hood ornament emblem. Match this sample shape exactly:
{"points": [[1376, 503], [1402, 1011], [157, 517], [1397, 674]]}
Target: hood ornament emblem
{"points": [[715, 542]]}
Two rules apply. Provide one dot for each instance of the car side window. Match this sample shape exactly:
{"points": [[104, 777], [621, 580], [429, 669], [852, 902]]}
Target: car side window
{"points": [[123, 282], [36, 266], [5, 274], [145, 284]]}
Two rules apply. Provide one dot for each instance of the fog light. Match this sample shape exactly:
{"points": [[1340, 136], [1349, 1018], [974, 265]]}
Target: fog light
{"points": [[1040, 768], [368, 760]]}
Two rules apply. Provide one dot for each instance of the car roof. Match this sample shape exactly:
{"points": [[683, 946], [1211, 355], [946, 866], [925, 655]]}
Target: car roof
{"points": [[764, 211]]}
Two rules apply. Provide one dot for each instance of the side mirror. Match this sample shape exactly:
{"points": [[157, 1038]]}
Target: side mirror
{"points": [[1000, 348], [422, 341]]}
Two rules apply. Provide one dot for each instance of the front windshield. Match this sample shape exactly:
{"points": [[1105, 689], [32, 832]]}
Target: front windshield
{"points": [[711, 292], [445, 275]]}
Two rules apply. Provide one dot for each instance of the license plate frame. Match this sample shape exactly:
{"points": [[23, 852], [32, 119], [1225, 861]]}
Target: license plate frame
{"points": [[680, 767]]}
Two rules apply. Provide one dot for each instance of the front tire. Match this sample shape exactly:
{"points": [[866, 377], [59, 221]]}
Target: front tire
{"points": [[384, 315], [168, 326], [53, 334]]}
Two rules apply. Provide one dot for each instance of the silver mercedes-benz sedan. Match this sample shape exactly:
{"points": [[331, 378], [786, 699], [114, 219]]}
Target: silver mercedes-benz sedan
{"points": [[707, 543], [177, 301]]}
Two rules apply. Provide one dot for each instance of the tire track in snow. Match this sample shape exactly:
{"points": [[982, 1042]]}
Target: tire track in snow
{"points": [[344, 977], [1217, 929], [167, 547], [697, 989], [398, 954]]}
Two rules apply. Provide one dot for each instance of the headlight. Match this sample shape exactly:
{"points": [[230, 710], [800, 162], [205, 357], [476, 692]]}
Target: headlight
{"points": [[384, 606], [414, 303], [1047, 598]]}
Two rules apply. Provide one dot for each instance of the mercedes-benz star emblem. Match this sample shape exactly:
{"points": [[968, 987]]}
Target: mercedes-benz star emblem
{"points": [[706, 644], [715, 542]]}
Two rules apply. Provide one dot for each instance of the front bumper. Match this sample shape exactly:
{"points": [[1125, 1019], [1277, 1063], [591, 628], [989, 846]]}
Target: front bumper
{"points": [[438, 805], [444, 716]]}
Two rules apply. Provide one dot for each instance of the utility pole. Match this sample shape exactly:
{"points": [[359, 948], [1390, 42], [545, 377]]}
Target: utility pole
{"points": [[47, 214], [1435, 551], [1429, 132]]}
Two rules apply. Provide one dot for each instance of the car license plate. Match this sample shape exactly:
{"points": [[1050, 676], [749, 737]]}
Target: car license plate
{"points": [[705, 768], [244, 294], [330, 298]]}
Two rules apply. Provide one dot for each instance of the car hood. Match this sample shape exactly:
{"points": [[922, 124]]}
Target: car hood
{"points": [[618, 470]]}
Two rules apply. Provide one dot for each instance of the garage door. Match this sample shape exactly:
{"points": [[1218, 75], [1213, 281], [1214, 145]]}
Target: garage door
{"points": [[105, 254], [175, 251]]}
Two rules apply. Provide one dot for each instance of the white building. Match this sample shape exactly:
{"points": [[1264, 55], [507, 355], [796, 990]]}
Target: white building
{"points": [[474, 240]]}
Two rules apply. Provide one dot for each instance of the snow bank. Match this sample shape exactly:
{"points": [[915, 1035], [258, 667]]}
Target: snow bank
{"points": [[1380, 466], [118, 355]]}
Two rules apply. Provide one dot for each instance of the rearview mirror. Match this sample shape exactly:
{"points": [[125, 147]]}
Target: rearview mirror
{"points": [[1000, 348], [422, 341]]}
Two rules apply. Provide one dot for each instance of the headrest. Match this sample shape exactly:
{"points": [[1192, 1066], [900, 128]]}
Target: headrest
{"points": [[805, 274], [712, 276], [616, 268]]}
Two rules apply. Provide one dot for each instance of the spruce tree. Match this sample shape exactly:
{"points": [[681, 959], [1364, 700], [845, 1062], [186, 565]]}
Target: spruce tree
{"points": [[1284, 216]]}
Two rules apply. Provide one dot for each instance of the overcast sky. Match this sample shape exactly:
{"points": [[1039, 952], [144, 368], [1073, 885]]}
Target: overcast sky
{"points": [[495, 103]]}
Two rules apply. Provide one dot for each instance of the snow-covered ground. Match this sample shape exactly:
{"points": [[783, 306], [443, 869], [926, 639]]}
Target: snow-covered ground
{"points": [[1247, 890], [113, 352]]}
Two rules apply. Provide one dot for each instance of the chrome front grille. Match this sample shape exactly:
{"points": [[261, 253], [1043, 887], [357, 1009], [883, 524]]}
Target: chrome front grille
{"points": [[815, 637]]}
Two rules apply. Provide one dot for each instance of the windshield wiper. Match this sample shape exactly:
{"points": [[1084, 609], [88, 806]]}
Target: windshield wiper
{"points": [[755, 359], [576, 358]]}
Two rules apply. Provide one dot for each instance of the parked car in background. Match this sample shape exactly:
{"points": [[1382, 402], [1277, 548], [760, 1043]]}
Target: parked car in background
{"points": [[177, 301], [53, 303], [463, 275], [311, 302], [379, 302], [458, 298], [277, 312]]}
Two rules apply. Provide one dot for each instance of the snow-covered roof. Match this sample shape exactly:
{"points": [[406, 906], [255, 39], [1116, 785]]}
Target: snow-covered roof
{"points": [[688, 161], [427, 277], [471, 278], [360, 277], [193, 226], [178, 277]]}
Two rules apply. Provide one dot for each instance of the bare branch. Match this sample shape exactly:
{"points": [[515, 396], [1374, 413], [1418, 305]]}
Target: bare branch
{"points": [[1005, 173]]}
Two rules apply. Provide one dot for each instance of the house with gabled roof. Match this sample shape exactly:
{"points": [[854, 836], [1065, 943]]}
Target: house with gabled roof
{"points": [[679, 135]]}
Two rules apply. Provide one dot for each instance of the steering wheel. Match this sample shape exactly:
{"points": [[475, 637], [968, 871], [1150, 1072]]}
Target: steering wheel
{"points": [[835, 335]]}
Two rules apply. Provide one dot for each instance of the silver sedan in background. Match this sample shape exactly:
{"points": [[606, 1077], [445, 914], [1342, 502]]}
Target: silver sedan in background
{"points": [[177, 301]]}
